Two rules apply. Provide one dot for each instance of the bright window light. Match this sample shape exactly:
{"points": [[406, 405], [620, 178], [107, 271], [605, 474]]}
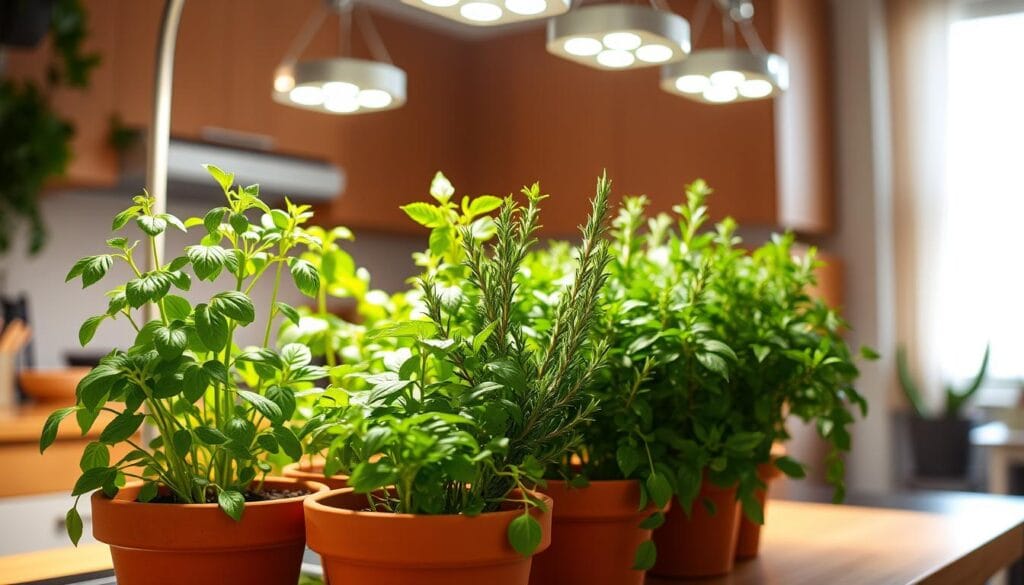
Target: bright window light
{"points": [[982, 280]]}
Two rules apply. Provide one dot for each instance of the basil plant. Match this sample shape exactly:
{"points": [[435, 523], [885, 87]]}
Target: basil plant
{"points": [[218, 409]]}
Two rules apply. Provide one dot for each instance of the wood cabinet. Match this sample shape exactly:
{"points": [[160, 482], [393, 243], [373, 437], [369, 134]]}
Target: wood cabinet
{"points": [[493, 112]]}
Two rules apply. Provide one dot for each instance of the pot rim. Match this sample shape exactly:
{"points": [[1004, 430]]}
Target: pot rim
{"points": [[316, 487], [313, 501]]}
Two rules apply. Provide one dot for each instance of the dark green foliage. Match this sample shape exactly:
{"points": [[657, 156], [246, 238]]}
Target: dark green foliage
{"points": [[956, 398]]}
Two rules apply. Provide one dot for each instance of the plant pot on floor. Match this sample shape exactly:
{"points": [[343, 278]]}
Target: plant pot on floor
{"points": [[701, 544], [314, 471], [198, 544], [360, 546], [748, 543], [941, 447], [595, 534]]}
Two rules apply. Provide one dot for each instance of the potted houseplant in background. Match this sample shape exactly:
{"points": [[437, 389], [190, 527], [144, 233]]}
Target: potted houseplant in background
{"points": [[444, 447], [202, 509], [941, 445]]}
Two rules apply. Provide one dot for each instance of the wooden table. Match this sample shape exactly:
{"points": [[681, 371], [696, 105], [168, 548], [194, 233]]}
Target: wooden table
{"points": [[803, 544]]}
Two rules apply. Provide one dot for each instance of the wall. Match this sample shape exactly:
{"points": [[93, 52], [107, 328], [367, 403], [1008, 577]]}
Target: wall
{"points": [[79, 223]]}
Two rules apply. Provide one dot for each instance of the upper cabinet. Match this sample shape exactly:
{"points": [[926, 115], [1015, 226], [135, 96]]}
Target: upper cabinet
{"points": [[493, 112]]}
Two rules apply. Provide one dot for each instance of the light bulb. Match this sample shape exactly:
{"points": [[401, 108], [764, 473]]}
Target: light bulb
{"points": [[342, 104], [622, 41], [307, 95], [283, 83], [374, 98], [582, 46], [615, 59], [526, 7], [441, 3], [481, 11], [654, 53], [755, 88], [727, 78], [720, 94], [692, 83], [340, 89]]}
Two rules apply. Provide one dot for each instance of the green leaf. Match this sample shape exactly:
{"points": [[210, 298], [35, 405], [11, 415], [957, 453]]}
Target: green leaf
{"points": [[122, 427], [264, 405], [95, 455], [170, 341], [73, 524], [289, 442], [295, 355], [224, 179], [152, 286], [484, 204], [306, 276], [791, 467], [441, 188], [182, 442], [419, 329], [653, 521], [646, 556], [153, 226], [425, 214], [760, 351], [93, 388], [232, 502], [629, 458], [49, 434], [211, 328], [94, 479], [88, 329], [743, 443], [91, 269], [480, 338], [234, 305], [868, 353], [441, 240], [752, 508], [176, 308], [210, 436], [288, 311], [207, 261], [122, 219], [659, 488], [714, 363], [147, 492], [213, 219], [524, 534]]}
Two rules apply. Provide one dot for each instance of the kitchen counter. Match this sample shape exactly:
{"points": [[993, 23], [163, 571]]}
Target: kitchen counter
{"points": [[964, 540]]}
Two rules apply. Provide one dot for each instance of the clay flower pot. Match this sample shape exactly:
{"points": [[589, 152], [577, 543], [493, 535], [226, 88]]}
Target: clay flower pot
{"points": [[594, 535], [701, 545], [157, 544], [749, 541], [314, 471], [358, 546]]}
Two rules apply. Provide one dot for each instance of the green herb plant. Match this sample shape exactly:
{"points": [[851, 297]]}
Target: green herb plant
{"points": [[468, 414], [218, 408]]}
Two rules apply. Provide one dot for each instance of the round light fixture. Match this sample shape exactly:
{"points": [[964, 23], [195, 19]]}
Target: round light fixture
{"points": [[619, 36], [492, 12], [723, 76], [342, 86]]}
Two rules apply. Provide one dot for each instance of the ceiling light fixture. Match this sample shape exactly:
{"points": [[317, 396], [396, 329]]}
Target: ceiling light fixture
{"points": [[340, 85], [619, 36], [492, 12], [729, 74]]}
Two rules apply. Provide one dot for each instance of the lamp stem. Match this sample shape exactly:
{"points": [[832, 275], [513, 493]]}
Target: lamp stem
{"points": [[160, 128]]}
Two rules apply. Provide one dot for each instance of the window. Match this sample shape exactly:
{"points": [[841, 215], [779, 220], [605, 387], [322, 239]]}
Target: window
{"points": [[981, 263]]}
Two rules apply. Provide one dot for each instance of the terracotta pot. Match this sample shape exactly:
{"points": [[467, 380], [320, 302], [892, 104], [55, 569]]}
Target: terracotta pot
{"points": [[749, 542], [595, 533], [701, 545], [157, 544], [358, 546], [314, 471]]}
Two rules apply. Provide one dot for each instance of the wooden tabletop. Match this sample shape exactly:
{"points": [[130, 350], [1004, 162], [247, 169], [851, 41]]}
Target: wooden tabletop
{"points": [[802, 544], [813, 544]]}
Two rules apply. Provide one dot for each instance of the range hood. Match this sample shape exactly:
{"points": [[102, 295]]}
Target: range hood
{"points": [[301, 180]]}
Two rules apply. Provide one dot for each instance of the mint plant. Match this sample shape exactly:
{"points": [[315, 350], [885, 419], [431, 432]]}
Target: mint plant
{"points": [[471, 407], [218, 408]]}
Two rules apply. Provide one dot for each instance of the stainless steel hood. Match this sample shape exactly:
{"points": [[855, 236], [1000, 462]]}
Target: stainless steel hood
{"points": [[299, 179]]}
